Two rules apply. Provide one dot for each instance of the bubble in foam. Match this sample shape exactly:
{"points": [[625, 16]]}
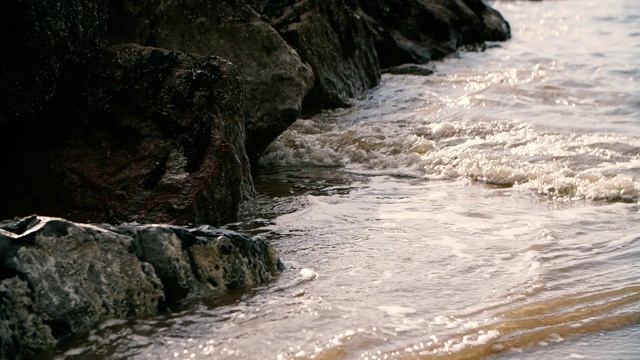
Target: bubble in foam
{"points": [[445, 129], [308, 274], [566, 167]]}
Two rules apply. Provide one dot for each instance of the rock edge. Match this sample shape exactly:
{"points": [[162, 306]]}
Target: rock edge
{"points": [[59, 278]]}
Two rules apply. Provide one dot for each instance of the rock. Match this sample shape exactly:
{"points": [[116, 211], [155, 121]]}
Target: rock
{"points": [[58, 278], [152, 135], [20, 331], [334, 40], [276, 79], [495, 27], [409, 69], [196, 261], [418, 31], [43, 43], [346, 41]]}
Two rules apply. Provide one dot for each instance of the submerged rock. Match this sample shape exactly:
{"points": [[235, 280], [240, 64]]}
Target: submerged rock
{"points": [[58, 278]]}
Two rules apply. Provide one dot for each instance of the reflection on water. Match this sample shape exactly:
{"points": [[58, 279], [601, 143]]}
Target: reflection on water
{"points": [[467, 272], [487, 211]]}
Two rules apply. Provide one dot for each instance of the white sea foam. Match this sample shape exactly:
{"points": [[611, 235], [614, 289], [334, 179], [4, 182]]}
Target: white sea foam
{"points": [[396, 310], [595, 167], [308, 274]]}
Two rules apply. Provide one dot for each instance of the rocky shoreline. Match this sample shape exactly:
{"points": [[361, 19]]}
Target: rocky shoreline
{"points": [[130, 114], [60, 278]]}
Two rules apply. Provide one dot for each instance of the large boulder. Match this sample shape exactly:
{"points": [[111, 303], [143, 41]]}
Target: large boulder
{"points": [[276, 79], [334, 40], [43, 42], [58, 278], [418, 31], [151, 135]]}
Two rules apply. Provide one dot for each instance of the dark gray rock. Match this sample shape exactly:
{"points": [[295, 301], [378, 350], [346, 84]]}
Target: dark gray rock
{"points": [[151, 135], [409, 69], [334, 40], [346, 41], [20, 331], [195, 261], [418, 31], [58, 278], [276, 79], [43, 43]]}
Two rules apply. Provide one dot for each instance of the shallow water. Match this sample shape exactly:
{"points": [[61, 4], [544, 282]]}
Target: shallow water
{"points": [[490, 210]]}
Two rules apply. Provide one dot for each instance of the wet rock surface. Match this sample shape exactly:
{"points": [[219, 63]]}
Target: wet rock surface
{"points": [[60, 278], [346, 42], [418, 31], [335, 41], [195, 261]]}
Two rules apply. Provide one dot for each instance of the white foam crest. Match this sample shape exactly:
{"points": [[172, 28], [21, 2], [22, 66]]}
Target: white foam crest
{"points": [[294, 148], [481, 338], [308, 274], [597, 167], [559, 165], [368, 149]]}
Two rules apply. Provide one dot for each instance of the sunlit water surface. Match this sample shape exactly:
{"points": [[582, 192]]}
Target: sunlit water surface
{"points": [[489, 210]]}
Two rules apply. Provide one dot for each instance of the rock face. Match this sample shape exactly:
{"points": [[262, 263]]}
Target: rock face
{"points": [[334, 40], [196, 261], [276, 79], [58, 278], [418, 31], [43, 42], [145, 134], [346, 42], [154, 135]]}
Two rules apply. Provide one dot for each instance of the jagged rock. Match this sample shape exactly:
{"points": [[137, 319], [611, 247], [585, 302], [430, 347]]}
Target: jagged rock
{"points": [[20, 331], [276, 79], [43, 42], [199, 260], [58, 278], [346, 41], [334, 40], [418, 31], [153, 135]]}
